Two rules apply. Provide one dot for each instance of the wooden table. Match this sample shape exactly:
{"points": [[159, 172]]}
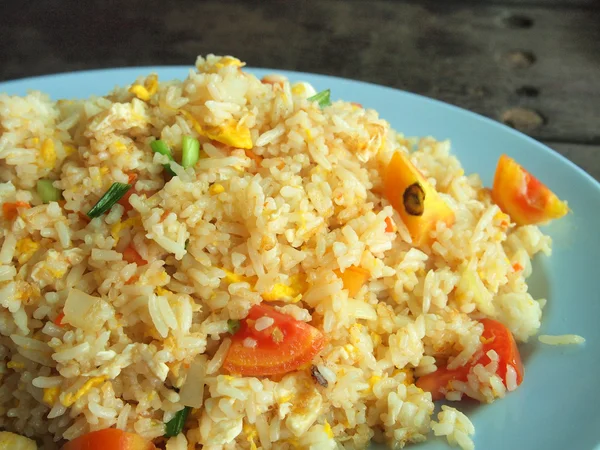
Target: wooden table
{"points": [[533, 64]]}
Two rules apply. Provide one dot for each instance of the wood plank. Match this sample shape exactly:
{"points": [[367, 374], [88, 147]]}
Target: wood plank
{"points": [[463, 53], [585, 156]]}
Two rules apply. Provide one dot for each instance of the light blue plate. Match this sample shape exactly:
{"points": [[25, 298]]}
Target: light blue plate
{"points": [[557, 406]]}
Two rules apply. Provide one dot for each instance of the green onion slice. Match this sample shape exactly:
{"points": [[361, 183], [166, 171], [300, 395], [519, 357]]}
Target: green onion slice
{"points": [[47, 191], [159, 146], [115, 192], [323, 98], [175, 425], [233, 326], [190, 151]]}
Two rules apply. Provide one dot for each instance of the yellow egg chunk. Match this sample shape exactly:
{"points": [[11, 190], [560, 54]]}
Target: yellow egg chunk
{"points": [[416, 200], [230, 134], [48, 153]]}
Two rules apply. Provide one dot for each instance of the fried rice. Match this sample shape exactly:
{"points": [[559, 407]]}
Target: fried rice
{"points": [[90, 340]]}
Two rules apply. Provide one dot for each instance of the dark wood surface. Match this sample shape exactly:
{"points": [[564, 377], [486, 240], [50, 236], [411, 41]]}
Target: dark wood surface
{"points": [[533, 64]]}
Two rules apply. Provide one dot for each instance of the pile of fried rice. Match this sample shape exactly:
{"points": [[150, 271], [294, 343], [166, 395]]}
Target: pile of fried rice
{"points": [[285, 198]]}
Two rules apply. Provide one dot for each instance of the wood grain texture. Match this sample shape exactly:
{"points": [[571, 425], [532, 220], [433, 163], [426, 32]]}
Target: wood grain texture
{"points": [[533, 63]]}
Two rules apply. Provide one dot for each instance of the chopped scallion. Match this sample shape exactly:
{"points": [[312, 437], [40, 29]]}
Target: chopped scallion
{"points": [[190, 153], [175, 425], [47, 191], [161, 147], [115, 192], [233, 326], [323, 98]]}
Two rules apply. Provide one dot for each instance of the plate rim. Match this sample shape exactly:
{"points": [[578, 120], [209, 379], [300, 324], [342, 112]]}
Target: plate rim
{"points": [[439, 103]]}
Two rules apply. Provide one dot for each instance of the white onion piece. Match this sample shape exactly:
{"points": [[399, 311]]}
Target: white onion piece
{"points": [[192, 391], [85, 311]]}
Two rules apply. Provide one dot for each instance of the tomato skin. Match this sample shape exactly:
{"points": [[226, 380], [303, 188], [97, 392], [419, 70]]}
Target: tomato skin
{"points": [[285, 346], [440, 379], [400, 176], [499, 338], [109, 439], [495, 337], [11, 210], [522, 196]]}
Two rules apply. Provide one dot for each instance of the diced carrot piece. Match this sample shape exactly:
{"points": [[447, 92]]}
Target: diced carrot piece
{"points": [[389, 228], [132, 256], [11, 209], [416, 200], [59, 318], [353, 278], [523, 197], [254, 157]]}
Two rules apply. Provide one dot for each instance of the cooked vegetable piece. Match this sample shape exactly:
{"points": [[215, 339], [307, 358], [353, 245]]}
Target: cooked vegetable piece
{"points": [[176, 424], [58, 320], [389, 225], [190, 151], [47, 192], [109, 439], [233, 326], [159, 146], [499, 338], [11, 209], [495, 337], [523, 197], [115, 192], [353, 278], [416, 200], [131, 255], [286, 345], [323, 98]]}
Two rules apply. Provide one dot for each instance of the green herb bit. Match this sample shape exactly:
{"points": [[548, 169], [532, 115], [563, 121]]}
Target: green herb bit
{"points": [[115, 192], [190, 151], [48, 192], [323, 98], [233, 326], [175, 425], [159, 146]]}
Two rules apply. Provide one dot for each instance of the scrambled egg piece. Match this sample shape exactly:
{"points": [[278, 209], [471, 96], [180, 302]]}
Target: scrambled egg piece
{"points": [[289, 294], [216, 189], [327, 429], [120, 226], [50, 395], [25, 249], [69, 149], [231, 277], [229, 61], [119, 147], [162, 291], [146, 91], [251, 434], [48, 154], [12, 441], [70, 398], [230, 133]]}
